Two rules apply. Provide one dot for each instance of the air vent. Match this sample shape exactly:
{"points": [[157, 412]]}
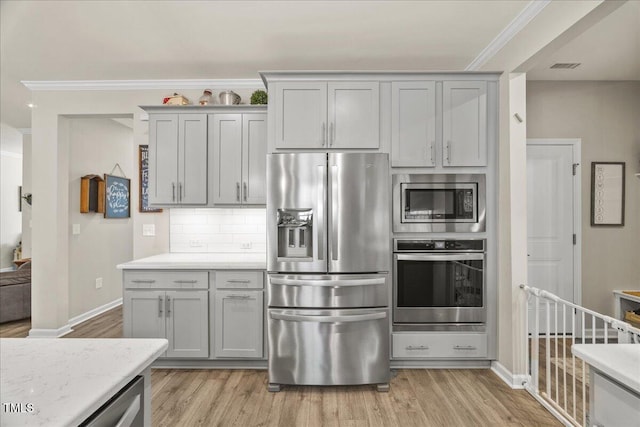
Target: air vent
{"points": [[566, 65]]}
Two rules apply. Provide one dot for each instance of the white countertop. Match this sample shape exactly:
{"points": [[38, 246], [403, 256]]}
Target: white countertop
{"points": [[618, 361], [67, 379], [203, 261]]}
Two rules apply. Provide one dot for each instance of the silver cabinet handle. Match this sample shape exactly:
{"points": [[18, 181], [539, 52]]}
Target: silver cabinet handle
{"points": [[332, 134], [340, 283], [173, 191], [159, 306], [324, 134], [329, 319], [167, 305], [179, 191], [448, 152], [245, 191], [143, 281], [238, 281], [417, 347], [334, 212], [238, 296], [185, 281], [237, 191], [465, 347], [432, 152]]}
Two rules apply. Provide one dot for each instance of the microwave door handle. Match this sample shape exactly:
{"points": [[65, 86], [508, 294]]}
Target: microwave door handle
{"points": [[319, 218], [334, 212]]}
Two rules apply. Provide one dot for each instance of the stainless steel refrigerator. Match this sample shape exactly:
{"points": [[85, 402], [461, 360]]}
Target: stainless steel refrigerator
{"points": [[328, 258]]}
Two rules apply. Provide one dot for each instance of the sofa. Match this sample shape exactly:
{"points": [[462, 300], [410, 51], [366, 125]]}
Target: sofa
{"points": [[15, 294]]}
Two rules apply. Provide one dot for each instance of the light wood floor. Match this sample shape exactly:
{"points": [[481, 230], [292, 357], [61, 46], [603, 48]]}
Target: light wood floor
{"points": [[418, 397]]}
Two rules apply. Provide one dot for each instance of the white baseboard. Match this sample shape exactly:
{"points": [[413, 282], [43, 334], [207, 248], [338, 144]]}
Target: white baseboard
{"points": [[513, 381], [50, 333], [95, 312], [64, 330]]}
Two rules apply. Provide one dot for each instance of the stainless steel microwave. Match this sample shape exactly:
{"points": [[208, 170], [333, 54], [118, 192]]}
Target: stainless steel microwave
{"points": [[436, 203]]}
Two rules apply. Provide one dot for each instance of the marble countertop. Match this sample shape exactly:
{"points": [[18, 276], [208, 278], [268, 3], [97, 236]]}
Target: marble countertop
{"points": [[67, 379], [204, 261], [618, 361]]}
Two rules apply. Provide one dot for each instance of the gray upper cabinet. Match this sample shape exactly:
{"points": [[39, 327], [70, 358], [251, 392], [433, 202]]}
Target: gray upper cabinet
{"points": [[177, 159], [322, 115], [238, 156], [413, 124], [464, 123]]}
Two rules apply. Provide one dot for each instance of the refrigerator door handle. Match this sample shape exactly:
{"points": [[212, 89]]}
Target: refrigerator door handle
{"points": [[319, 219], [333, 283], [334, 212], [329, 319]]}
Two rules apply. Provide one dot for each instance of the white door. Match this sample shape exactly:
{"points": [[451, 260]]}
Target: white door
{"points": [[551, 224]]}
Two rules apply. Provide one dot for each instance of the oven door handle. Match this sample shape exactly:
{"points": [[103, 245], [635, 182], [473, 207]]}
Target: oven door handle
{"points": [[332, 283], [440, 257], [329, 319]]}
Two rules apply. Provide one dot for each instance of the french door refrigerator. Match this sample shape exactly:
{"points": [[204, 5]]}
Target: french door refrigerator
{"points": [[329, 257]]}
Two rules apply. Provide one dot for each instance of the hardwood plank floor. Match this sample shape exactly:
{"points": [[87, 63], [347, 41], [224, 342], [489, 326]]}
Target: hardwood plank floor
{"points": [[418, 397]]}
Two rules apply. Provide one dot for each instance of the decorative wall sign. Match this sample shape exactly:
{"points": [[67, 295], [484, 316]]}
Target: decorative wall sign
{"points": [[607, 193], [117, 196], [143, 166]]}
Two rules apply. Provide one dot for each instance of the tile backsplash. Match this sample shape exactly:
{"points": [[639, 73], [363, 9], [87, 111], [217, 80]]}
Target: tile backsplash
{"points": [[218, 230]]}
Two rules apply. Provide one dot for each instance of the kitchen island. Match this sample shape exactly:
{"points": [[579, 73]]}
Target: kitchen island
{"points": [[62, 382]]}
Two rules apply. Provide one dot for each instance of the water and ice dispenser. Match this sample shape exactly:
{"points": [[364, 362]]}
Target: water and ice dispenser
{"points": [[295, 231]]}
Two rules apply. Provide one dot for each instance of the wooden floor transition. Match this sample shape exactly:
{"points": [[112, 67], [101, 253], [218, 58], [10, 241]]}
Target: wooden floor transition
{"points": [[418, 397]]}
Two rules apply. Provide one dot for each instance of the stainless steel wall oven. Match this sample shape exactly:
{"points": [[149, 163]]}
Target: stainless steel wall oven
{"points": [[438, 203], [439, 281]]}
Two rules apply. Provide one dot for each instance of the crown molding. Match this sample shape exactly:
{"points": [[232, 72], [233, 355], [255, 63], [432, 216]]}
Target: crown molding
{"points": [[80, 85], [530, 11]]}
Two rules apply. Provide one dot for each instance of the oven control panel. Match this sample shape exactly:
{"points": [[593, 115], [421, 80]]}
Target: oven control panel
{"points": [[445, 245]]}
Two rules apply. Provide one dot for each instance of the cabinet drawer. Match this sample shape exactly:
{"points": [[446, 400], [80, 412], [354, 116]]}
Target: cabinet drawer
{"points": [[439, 345], [166, 279], [238, 279]]}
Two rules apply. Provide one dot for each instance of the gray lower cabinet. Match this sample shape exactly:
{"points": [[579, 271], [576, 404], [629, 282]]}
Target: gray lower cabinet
{"points": [[238, 314], [171, 305]]}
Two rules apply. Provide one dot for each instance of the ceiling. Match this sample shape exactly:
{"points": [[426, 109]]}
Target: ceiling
{"points": [[142, 40]]}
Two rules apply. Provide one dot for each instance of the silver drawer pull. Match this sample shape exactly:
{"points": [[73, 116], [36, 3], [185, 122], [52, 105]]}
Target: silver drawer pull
{"points": [[185, 281], [239, 296], [143, 281], [238, 281], [159, 306], [465, 347], [417, 347]]}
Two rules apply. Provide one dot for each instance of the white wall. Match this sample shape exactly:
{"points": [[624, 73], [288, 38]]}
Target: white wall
{"points": [[10, 181], [95, 146], [606, 116], [218, 230], [26, 188]]}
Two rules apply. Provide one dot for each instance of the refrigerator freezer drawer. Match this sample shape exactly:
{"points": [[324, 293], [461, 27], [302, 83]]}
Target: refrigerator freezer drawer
{"points": [[329, 347], [329, 291]]}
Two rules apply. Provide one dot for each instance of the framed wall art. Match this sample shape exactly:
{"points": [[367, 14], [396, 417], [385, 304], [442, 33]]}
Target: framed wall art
{"points": [[607, 193], [117, 196], [143, 166]]}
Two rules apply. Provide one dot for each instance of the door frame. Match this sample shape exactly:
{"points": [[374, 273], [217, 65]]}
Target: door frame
{"points": [[575, 144]]}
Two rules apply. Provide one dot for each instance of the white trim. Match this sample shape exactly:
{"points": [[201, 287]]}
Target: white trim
{"points": [[79, 85], [11, 154], [24, 131], [50, 333], [529, 12], [95, 312], [575, 144], [513, 381]]}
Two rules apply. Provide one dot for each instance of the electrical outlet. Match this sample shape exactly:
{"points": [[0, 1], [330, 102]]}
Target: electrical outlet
{"points": [[76, 229], [98, 282], [148, 229], [194, 243], [245, 245]]}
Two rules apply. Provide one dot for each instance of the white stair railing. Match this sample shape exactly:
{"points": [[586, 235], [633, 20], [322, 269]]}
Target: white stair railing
{"points": [[557, 324]]}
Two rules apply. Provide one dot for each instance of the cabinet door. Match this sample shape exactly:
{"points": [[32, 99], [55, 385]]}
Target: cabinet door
{"points": [[144, 314], [238, 324], [192, 159], [187, 317], [301, 115], [254, 159], [226, 134], [464, 127], [163, 155], [354, 114], [413, 124]]}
